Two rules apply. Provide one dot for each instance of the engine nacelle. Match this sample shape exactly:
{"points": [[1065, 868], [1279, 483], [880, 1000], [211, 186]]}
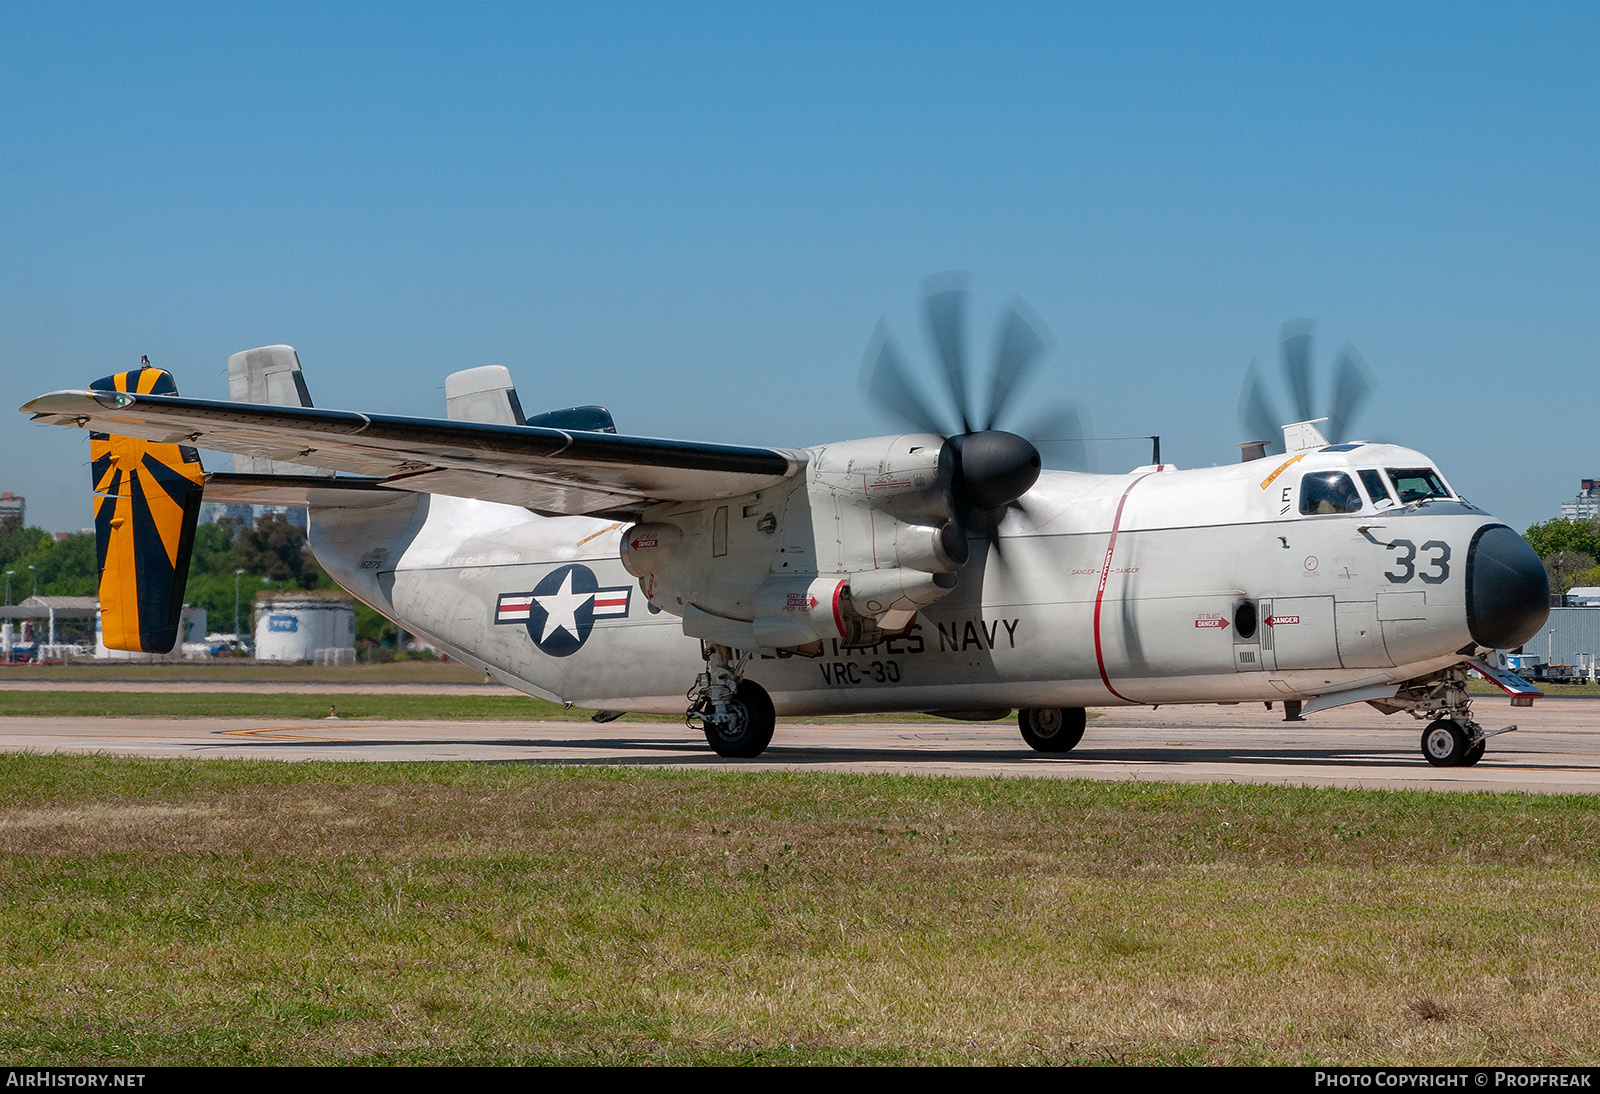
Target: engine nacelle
{"points": [[645, 547], [940, 550], [796, 611], [879, 591]]}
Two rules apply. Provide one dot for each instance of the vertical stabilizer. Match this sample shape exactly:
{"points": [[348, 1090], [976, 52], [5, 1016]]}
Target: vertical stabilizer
{"points": [[483, 394], [270, 374], [146, 503]]}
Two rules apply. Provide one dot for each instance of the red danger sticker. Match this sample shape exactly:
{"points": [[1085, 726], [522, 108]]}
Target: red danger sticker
{"points": [[1208, 622], [1282, 620]]}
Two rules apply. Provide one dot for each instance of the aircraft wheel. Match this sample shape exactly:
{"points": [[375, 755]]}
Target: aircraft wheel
{"points": [[1052, 729], [1444, 743], [748, 729], [1473, 754]]}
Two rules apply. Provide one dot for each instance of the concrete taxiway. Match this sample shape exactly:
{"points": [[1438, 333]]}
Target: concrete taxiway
{"points": [[1555, 750]]}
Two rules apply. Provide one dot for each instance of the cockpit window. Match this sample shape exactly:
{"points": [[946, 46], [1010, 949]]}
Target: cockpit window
{"points": [[1417, 484], [1375, 485], [1329, 492]]}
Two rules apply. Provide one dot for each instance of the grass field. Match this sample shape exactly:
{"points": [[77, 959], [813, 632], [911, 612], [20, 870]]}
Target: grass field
{"points": [[246, 672], [248, 704], [162, 911]]}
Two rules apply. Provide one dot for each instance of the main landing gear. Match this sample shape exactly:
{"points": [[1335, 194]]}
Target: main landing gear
{"points": [[736, 714], [1452, 738], [1052, 729]]}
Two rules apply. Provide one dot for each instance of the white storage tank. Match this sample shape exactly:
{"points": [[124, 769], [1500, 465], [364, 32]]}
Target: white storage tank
{"points": [[191, 629], [305, 626]]}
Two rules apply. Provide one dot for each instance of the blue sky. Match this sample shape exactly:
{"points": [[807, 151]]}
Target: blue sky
{"points": [[695, 214]]}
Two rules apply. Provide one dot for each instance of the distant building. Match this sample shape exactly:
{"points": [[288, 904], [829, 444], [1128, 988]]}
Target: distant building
{"points": [[12, 506], [1586, 506], [214, 512]]}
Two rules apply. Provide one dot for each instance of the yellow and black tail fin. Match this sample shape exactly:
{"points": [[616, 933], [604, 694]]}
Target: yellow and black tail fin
{"points": [[146, 503]]}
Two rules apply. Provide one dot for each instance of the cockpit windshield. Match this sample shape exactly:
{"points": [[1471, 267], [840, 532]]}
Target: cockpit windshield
{"points": [[1329, 492], [1417, 484]]}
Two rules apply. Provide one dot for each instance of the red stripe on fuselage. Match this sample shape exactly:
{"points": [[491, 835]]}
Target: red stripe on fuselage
{"points": [[1100, 593]]}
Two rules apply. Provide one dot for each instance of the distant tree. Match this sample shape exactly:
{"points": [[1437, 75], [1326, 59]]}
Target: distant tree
{"points": [[1581, 579], [17, 541], [64, 567], [1563, 566], [277, 549], [1554, 536]]}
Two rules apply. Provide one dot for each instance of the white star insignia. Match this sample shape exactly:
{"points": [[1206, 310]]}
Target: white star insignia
{"points": [[561, 609]]}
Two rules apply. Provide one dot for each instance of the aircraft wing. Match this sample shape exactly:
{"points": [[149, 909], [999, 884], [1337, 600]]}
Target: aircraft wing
{"points": [[547, 470]]}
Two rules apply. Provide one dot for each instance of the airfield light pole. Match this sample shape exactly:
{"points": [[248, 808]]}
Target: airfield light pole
{"points": [[9, 574], [236, 575], [35, 571]]}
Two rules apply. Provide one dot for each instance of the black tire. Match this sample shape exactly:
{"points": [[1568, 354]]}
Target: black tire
{"points": [[1444, 743], [1473, 754], [749, 731], [1052, 729]]}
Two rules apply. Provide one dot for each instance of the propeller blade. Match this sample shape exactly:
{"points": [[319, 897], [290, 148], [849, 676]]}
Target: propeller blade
{"points": [[1297, 366], [885, 379], [1062, 432], [1352, 384], [1257, 416], [1022, 344], [945, 302]]}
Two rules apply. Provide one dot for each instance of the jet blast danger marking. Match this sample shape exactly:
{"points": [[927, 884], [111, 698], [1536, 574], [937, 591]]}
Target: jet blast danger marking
{"points": [[1282, 620], [1211, 622]]}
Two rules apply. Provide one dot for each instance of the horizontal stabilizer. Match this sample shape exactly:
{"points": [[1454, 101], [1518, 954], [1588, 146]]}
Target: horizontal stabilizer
{"points": [[546, 470], [294, 491]]}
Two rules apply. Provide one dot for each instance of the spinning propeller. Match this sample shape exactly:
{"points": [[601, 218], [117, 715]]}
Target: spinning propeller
{"points": [[1352, 384], [982, 469]]}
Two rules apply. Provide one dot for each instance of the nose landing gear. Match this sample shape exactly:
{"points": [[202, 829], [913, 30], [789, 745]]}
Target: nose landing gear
{"points": [[1452, 738]]}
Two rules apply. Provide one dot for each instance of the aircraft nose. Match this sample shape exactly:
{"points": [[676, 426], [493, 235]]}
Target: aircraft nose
{"points": [[1508, 594]]}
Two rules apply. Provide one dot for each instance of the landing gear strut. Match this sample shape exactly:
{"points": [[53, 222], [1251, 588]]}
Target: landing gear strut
{"points": [[1052, 729], [736, 714], [1452, 738]]}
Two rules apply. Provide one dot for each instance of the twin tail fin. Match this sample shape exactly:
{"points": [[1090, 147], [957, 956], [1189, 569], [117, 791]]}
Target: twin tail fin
{"points": [[146, 503]]}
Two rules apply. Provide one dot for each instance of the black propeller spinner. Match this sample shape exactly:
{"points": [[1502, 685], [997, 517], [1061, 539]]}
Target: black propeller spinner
{"points": [[982, 469], [1352, 384]]}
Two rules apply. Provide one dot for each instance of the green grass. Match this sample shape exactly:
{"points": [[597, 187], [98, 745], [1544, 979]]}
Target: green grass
{"points": [[1554, 691], [184, 704], [170, 912], [228, 671]]}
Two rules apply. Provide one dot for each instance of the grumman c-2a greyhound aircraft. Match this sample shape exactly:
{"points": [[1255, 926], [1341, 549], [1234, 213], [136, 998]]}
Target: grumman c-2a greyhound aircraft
{"points": [[932, 570]]}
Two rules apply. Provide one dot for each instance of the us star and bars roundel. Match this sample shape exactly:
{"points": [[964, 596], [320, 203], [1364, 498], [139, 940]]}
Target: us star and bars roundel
{"points": [[560, 611]]}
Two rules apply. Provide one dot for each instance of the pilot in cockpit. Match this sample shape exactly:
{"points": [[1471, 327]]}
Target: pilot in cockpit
{"points": [[1327, 492]]}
